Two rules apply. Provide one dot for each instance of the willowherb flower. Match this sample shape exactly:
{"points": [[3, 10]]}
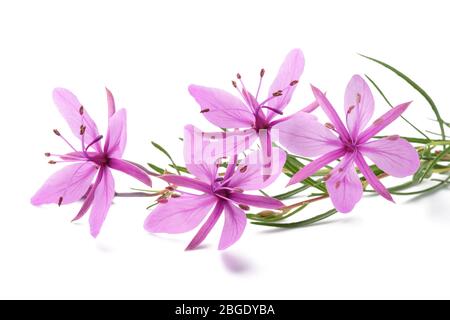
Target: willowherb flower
{"points": [[73, 182], [219, 193], [394, 155], [254, 117]]}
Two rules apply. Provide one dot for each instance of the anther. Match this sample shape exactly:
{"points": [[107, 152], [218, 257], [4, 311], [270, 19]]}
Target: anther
{"points": [[170, 188], [234, 83], [293, 83], [52, 162], [350, 109], [262, 72], [55, 131], [358, 98], [60, 200], [47, 154], [277, 93], [81, 110], [82, 130], [329, 126], [204, 110], [244, 207], [243, 169], [238, 76]]}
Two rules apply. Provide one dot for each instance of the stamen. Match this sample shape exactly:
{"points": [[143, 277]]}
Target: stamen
{"points": [[238, 75], [262, 72], [234, 83], [204, 110], [337, 185], [350, 109], [82, 130], [47, 154], [52, 162], [272, 109], [100, 137], [243, 169], [60, 200], [261, 75], [358, 98], [293, 83], [330, 126], [277, 93], [81, 110], [244, 207], [57, 132]]}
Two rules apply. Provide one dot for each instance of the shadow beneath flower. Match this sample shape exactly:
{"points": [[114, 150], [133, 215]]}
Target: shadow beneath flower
{"points": [[104, 248], [235, 263], [344, 219]]}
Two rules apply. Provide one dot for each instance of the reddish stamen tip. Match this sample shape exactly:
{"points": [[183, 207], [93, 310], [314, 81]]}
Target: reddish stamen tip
{"points": [[81, 110], [358, 98], [277, 93], [238, 76], [47, 154], [262, 72], [293, 83], [52, 162], [60, 200], [55, 131], [234, 83], [244, 207], [82, 130], [243, 169], [204, 110], [350, 109]]}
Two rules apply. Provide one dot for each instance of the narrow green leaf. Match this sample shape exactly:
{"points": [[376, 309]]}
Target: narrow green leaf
{"points": [[160, 148], [156, 168], [298, 224], [417, 88], [179, 168], [431, 164], [291, 193]]}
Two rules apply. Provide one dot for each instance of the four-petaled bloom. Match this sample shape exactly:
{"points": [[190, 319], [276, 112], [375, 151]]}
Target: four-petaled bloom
{"points": [[392, 154], [256, 118], [73, 182], [219, 192]]}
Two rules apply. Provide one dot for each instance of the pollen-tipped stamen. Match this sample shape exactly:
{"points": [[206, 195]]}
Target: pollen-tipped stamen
{"points": [[261, 75], [56, 132], [100, 137]]}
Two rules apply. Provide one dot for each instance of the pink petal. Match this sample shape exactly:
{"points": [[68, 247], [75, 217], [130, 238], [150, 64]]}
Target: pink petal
{"points": [[382, 122], [394, 155], [197, 156], [331, 113], [179, 214], [90, 195], [290, 70], [111, 103], [221, 108], [131, 170], [344, 186], [234, 226], [104, 195], [69, 107], [116, 138], [71, 183], [359, 105], [304, 135], [371, 178], [316, 165], [187, 182], [207, 226], [256, 201], [251, 173]]}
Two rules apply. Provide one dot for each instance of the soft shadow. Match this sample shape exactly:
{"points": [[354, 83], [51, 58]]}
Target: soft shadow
{"points": [[235, 263], [104, 248], [340, 220], [426, 195]]}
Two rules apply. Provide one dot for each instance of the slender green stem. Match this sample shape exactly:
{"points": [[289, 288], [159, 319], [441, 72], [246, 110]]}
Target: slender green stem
{"points": [[298, 224]]}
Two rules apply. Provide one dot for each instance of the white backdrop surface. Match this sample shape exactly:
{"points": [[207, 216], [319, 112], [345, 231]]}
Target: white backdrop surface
{"points": [[147, 53]]}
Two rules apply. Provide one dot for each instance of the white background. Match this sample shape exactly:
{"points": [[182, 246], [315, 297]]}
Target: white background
{"points": [[147, 53]]}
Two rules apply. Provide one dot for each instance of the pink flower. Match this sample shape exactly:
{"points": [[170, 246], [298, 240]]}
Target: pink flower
{"points": [[73, 182], [256, 118], [218, 194], [393, 155]]}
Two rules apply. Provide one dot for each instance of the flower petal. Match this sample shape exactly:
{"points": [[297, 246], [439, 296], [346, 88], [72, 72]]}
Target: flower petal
{"points": [[382, 122], [130, 169], [187, 182], [331, 113], [234, 226], [290, 70], [371, 178], [221, 108], [104, 195], [251, 174], [317, 164], [179, 214], [256, 201], [394, 155], [116, 138], [69, 183], [304, 135], [359, 105], [69, 107], [207, 226], [111, 103], [343, 185]]}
